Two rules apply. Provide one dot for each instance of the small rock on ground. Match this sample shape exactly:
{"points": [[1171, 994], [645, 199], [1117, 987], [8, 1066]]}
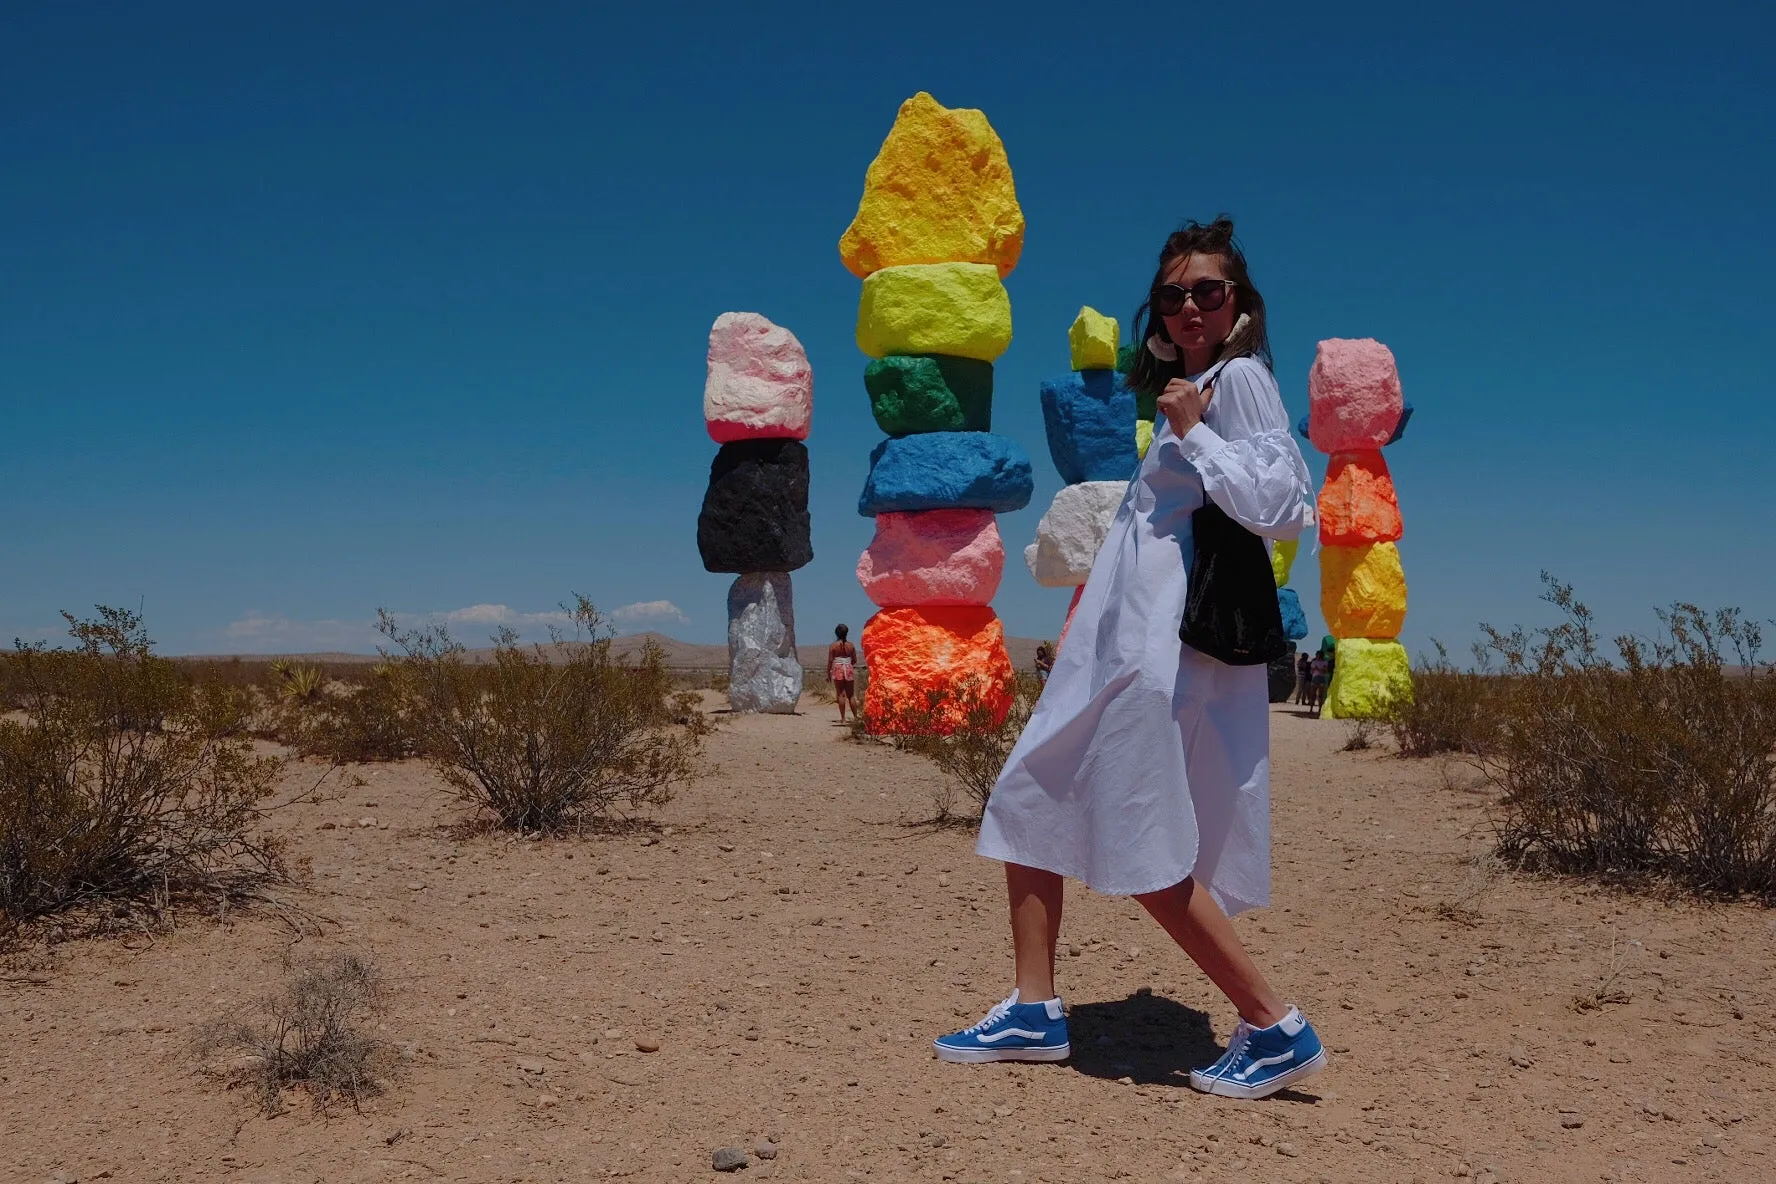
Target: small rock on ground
{"points": [[728, 1159], [765, 1149]]}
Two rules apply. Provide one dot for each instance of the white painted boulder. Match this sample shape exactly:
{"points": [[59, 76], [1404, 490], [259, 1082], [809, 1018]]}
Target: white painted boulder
{"points": [[760, 385], [1070, 534]]}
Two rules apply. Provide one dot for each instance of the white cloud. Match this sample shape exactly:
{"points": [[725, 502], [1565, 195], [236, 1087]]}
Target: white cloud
{"points": [[499, 614], [648, 612]]}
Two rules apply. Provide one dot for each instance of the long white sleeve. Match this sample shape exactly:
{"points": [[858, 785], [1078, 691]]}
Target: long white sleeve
{"points": [[1246, 456]]}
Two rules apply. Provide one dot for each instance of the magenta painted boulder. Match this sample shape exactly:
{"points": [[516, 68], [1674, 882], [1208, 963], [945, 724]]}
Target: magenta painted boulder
{"points": [[933, 557], [1353, 395], [760, 385]]}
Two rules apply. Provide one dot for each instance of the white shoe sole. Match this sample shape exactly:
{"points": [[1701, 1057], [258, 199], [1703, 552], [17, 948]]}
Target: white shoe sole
{"points": [[1225, 1088], [982, 1056]]}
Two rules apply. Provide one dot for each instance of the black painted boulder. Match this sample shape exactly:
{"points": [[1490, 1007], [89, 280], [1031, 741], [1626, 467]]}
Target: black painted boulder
{"points": [[755, 514], [1281, 677]]}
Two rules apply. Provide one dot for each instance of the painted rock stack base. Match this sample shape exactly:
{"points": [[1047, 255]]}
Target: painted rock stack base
{"points": [[1355, 409], [936, 232], [1091, 420], [758, 404]]}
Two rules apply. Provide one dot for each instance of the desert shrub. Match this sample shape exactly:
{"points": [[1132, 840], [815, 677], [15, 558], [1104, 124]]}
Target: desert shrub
{"points": [[1360, 737], [1450, 710], [1660, 763], [121, 783], [312, 1034], [548, 737], [366, 722], [960, 730]]}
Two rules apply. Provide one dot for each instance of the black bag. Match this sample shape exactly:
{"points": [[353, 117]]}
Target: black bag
{"points": [[1231, 611]]}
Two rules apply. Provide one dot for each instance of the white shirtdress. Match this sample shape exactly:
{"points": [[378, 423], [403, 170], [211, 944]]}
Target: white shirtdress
{"points": [[1146, 761]]}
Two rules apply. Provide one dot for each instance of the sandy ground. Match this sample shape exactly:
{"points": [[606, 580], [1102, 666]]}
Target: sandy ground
{"points": [[792, 944]]}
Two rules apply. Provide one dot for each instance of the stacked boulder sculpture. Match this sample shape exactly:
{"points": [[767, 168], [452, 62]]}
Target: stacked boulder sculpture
{"points": [[758, 403], [1282, 670], [937, 230], [1090, 417], [1355, 409]]}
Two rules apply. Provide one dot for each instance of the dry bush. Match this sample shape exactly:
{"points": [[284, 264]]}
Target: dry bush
{"points": [[312, 1035], [961, 731], [122, 784], [1450, 710], [551, 737], [1662, 763], [1361, 736], [366, 722]]}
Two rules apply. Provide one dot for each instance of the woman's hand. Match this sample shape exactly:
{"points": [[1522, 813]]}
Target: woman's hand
{"points": [[1183, 404]]}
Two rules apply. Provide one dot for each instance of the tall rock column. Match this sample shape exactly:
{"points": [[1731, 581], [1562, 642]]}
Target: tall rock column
{"points": [[936, 232], [758, 403], [1090, 417], [1355, 409], [1282, 670]]}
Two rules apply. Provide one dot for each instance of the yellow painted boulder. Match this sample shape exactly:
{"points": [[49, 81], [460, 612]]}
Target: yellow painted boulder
{"points": [[1282, 558], [1363, 590], [1368, 677], [1143, 437], [939, 191], [1093, 339], [958, 309]]}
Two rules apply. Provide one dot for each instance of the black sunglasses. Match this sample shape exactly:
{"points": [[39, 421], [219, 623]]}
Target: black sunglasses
{"points": [[1209, 295]]}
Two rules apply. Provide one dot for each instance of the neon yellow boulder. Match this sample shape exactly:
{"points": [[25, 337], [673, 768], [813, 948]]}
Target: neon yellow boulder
{"points": [[958, 309], [1369, 677]]}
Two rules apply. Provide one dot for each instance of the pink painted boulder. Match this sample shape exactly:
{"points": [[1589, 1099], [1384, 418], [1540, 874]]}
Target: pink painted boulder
{"points": [[933, 557], [1353, 395], [760, 385]]}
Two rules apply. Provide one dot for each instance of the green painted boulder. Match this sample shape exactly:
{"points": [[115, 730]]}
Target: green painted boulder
{"points": [[930, 393]]}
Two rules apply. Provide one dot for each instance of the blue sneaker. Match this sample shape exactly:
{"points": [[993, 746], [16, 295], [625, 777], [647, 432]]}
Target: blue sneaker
{"points": [[1011, 1031], [1260, 1061]]}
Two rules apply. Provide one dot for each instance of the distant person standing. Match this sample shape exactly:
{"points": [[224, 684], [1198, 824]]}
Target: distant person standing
{"points": [[1303, 678], [1321, 674], [1045, 662], [841, 671]]}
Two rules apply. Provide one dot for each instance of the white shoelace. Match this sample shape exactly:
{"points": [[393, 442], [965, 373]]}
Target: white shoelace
{"points": [[994, 1014], [1236, 1048]]}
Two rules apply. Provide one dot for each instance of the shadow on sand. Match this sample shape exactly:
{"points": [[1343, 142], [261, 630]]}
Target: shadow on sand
{"points": [[1148, 1038]]}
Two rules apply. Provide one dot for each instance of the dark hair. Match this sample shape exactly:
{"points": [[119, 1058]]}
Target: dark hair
{"points": [[841, 631], [1149, 374]]}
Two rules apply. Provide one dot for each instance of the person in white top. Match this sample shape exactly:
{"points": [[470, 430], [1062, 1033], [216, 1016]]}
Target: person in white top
{"points": [[1145, 767]]}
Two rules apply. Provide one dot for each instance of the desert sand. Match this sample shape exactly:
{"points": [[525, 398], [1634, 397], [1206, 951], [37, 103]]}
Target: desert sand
{"points": [[792, 940]]}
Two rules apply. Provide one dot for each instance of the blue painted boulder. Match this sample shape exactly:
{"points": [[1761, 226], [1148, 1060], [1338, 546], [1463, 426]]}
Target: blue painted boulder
{"points": [[945, 471], [1090, 417], [1294, 620]]}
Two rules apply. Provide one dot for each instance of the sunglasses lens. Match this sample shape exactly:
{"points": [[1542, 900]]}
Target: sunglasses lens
{"points": [[1169, 300], [1209, 295]]}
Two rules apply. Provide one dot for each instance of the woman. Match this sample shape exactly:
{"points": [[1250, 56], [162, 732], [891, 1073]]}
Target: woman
{"points": [[841, 670], [1145, 769], [1045, 662]]}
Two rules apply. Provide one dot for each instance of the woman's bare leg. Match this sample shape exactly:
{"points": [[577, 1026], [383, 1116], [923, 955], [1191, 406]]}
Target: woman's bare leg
{"points": [[1035, 928], [1203, 931]]}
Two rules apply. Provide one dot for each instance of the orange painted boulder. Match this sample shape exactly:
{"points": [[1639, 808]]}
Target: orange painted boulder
{"points": [[1357, 503], [934, 669]]}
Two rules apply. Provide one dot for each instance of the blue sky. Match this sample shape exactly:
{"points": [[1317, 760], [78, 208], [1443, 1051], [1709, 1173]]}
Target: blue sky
{"points": [[307, 309]]}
